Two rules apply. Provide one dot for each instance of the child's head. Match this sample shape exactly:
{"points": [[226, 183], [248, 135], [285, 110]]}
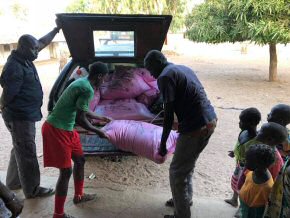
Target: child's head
{"points": [[249, 118], [280, 113], [97, 72], [272, 134], [259, 156]]}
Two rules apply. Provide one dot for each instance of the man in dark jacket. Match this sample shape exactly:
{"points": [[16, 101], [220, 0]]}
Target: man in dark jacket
{"points": [[21, 103], [184, 95]]}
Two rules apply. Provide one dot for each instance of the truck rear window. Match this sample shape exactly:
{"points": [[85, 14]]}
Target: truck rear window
{"points": [[114, 43]]}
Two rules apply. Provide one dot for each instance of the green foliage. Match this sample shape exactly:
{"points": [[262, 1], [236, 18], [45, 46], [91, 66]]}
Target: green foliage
{"points": [[79, 6], [261, 21], [210, 22], [266, 21], [19, 11], [175, 8]]}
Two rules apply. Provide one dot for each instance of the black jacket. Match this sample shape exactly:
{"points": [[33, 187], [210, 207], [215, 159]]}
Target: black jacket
{"points": [[22, 92]]}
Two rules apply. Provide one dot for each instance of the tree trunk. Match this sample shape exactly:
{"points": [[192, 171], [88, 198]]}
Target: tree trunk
{"points": [[273, 63]]}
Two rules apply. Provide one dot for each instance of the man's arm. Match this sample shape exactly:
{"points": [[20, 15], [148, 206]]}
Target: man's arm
{"points": [[45, 40], [12, 82], [167, 126], [93, 115], [83, 121]]}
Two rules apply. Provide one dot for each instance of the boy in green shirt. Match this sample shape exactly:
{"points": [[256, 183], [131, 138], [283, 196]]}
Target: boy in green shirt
{"points": [[61, 142]]}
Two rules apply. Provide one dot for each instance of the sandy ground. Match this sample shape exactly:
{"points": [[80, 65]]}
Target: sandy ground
{"points": [[233, 81]]}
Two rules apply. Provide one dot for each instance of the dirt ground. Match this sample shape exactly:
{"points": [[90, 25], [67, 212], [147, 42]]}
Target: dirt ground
{"points": [[233, 81]]}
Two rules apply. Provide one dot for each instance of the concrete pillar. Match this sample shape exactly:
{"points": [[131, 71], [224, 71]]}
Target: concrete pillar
{"points": [[53, 50], [2, 54]]}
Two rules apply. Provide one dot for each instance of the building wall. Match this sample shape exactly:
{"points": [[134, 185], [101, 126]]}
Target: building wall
{"points": [[53, 50]]}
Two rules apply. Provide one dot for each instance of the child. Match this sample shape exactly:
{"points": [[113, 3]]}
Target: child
{"points": [[61, 142], [279, 200], [280, 114], [270, 134], [249, 119], [256, 189]]}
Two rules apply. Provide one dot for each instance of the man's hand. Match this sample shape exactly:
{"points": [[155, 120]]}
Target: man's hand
{"points": [[98, 122], [162, 151], [231, 154], [106, 119], [15, 206], [58, 24], [101, 121], [101, 134]]}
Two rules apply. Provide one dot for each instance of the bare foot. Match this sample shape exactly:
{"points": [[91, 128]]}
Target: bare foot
{"points": [[232, 202], [238, 213]]}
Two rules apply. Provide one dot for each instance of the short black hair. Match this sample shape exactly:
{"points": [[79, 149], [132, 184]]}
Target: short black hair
{"points": [[259, 156], [251, 115], [156, 56], [281, 113], [26, 39], [98, 68], [275, 131]]}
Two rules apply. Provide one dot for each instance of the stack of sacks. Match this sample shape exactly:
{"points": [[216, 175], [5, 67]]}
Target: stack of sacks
{"points": [[95, 101], [140, 138], [149, 96], [126, 94], [125, 109], [123, 84]]}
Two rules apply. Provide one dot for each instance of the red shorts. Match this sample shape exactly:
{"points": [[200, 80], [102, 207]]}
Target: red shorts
{"points": [[59, 145]]}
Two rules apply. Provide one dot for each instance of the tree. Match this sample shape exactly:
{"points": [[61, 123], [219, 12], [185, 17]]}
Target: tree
{"points": [[19, 11], [260, 21], [175, 8]]}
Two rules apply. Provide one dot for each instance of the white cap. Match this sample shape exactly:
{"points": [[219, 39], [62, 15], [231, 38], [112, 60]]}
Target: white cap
{"points": [[79, 73]]}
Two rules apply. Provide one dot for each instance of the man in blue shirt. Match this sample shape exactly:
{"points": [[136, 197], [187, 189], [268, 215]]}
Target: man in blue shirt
{"points": [[21, 103], [184, 95]]}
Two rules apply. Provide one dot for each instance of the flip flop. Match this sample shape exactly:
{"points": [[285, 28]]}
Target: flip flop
{"points": [[43, 192], [66, 216], [170, 203], [84, 198]]}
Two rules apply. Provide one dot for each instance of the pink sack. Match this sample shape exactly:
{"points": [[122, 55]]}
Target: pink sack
{"points": [[128, 109], [153, 84], [145, 74], [95, 101], [122, 84], [139, 138], [148, 97]]}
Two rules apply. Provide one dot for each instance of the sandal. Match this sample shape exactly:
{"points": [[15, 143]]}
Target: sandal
{"points": [[231, 202], [84, 198], [43, 192], [63, 215], [170, 203], [67, 216]]}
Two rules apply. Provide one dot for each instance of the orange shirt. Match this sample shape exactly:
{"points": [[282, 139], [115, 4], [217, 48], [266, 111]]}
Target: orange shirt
{"points": [[255, 195]]}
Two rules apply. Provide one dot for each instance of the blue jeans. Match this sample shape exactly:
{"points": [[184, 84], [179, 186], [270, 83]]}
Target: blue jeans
{"points": [[187, 151], [4, 211]]}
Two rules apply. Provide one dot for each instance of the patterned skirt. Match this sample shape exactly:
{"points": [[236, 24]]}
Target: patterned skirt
{"points": [[279, 199], [235, 178]]}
